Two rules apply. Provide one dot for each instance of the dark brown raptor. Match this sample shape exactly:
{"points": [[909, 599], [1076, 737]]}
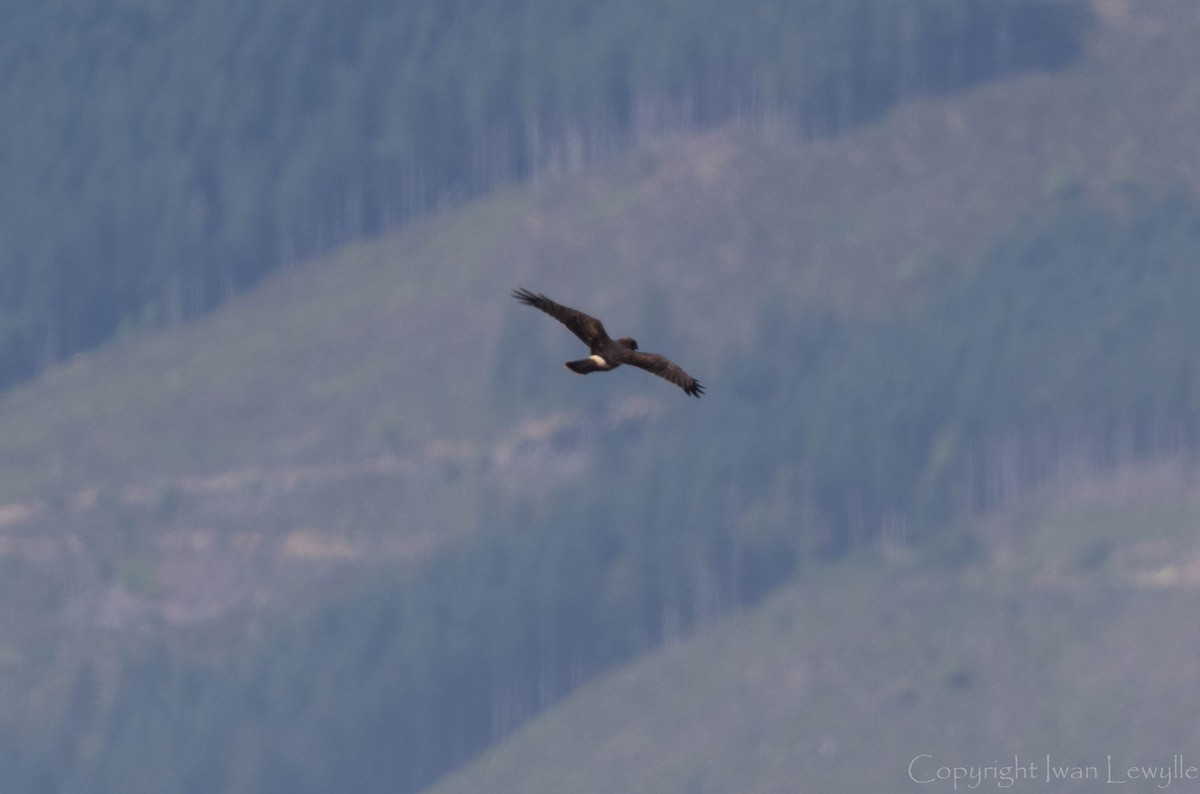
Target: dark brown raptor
{"points": [[608, 353]]}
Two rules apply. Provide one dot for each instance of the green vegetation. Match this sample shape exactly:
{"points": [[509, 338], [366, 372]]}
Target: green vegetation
{"points": [[161, 156], [1067, 342], [875, 420], [394, 562], [839, 681]]}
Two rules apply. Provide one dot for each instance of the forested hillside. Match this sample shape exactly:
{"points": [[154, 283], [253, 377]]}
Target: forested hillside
{"points": [[161, 156], [359, 525], [896, 427], [1073, 634]]}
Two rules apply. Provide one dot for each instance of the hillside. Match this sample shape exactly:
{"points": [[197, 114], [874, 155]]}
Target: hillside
{"points": [[337, 372], [161, 157], [1074, 640], [378, 459]]}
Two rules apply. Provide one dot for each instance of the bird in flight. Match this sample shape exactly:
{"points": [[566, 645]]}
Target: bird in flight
{"points": [[608, 353]]}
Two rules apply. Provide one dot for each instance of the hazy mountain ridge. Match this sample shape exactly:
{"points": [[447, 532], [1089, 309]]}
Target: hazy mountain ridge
{"points": [[185, 152], [841, 680], [311, 391]]}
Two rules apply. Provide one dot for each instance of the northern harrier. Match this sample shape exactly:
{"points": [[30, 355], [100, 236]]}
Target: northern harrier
{"points": [[608, 353]]}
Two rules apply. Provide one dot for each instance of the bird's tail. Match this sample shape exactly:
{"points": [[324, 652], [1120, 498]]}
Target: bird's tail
{"points": [[583, 366]]}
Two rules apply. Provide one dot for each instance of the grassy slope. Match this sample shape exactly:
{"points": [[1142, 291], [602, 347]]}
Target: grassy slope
{"points": [[347, 347], [1074, 638], [839, 682], [218, 467]]}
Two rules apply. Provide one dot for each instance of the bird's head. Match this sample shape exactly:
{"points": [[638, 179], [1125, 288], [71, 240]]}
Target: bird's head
{"points": [[629, 342]]}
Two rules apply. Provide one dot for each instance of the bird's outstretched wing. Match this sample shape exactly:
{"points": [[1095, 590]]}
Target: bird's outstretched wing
{"points": [[587, 328], [664, 367]]}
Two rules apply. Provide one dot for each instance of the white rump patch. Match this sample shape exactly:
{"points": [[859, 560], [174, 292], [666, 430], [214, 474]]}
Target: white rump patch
{"points": [[599, 361]]}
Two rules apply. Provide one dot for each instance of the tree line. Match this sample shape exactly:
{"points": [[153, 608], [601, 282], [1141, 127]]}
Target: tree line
{"points": [[160, 156], [1069, 344]]}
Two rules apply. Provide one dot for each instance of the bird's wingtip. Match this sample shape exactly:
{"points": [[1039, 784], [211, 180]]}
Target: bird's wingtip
{"points": [[525, 296]]}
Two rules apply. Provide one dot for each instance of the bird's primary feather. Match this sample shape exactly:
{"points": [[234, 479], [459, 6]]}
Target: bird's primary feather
{"points": [[589, 330]]}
